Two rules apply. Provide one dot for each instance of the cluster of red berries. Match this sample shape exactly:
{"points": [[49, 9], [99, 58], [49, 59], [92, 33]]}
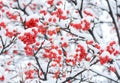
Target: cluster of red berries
{"points": [[29, 38], [81, 53], [79, 26], [31, 23]]}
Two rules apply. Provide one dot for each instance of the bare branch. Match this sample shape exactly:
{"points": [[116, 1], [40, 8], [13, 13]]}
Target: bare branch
{"points": [[104, 76], [70, 78], [114, 21]]}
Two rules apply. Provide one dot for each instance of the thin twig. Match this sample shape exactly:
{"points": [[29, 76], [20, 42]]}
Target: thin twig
{"points": [[36, 58], [104, 76], [114, 21], [70, 78]]}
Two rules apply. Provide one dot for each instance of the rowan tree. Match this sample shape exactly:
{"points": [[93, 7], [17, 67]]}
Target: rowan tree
{"points": [[59, 41]]}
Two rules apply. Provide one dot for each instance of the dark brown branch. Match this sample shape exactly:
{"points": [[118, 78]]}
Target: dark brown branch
{"points": [[93, 36], [39, 64], [39, 48], [103, 9], [2, 45], [23, 10], [27, 5], [115, 23], [116, 29], [94, 62], [70, 78], [82, 38], [105, 76], [80, 10], [6, 46], [36, 58], [48, 65], [75, 2], [12, 41], [2, 41]]}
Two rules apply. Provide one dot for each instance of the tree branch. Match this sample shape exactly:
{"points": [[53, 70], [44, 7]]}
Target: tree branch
{"points": [[93, 36], [73, 34], [36, 58], [6, 46], [23, 10], [70, 78], [104, 76], [48, 65], [114, 21], [80, 10]]}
